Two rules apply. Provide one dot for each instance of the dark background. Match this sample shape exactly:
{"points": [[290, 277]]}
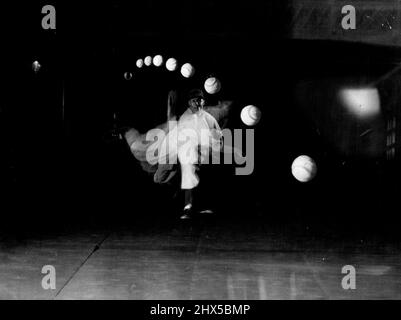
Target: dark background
{"points": [[59, 163]]}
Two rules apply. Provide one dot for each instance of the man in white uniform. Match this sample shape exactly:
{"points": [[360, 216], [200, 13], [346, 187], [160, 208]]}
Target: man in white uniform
{"points": [[188, 140], [198, 134]]}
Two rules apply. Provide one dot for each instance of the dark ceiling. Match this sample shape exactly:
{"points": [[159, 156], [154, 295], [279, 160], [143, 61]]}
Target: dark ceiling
{"points": [[112, 21]]}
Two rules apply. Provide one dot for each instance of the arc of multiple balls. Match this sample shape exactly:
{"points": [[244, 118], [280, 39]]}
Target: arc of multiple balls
{"points": [[250, 114], [303, 167]]}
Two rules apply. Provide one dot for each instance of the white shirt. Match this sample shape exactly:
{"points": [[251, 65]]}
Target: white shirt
{"points": [[193, 130], [201, 126]]}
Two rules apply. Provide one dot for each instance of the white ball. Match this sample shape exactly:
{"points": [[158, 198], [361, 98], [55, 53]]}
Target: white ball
{"points": [[128, 75], [139, 63], [171, 64], [304, 168], [158, 60], [212, 85], [187, 70], [148, 61], [250, 115]]}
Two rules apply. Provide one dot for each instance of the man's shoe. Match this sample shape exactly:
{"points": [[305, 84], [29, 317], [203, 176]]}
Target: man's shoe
{"points": [[206, 211], [186, 214]]}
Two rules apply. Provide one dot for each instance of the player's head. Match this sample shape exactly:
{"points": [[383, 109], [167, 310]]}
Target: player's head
{"points": [[196, 99]]}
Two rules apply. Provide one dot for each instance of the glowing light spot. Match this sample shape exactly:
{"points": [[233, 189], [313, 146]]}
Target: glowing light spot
{"points": [[361, 102]]}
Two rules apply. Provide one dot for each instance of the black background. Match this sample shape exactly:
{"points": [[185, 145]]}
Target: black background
{"points": [[60, 166]]}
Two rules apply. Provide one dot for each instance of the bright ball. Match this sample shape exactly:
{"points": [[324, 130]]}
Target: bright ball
{"points": [[304, 168], [158, 60], [187, 70], [212, 85], [171, 64], [250, 115], [139, 63], [148, 61]]}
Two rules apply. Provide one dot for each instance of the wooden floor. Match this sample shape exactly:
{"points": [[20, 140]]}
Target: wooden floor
{"points": [[205, 259]]}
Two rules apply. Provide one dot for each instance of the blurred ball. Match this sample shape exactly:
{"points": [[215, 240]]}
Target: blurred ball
{"points": [[250, 115], [158, 60], [128, 75], [36, 66], [148, 61], [187, 70], [139, 63], [171, 64], [212, 85], [304, 168]]}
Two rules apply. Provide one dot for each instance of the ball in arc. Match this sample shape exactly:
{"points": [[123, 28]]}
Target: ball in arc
{"points": [[250, 115], [128, 75], [304, 168], [148, 61], [187, 70], [139, 63], [171, 64], [212, 85], [158, 60]]}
